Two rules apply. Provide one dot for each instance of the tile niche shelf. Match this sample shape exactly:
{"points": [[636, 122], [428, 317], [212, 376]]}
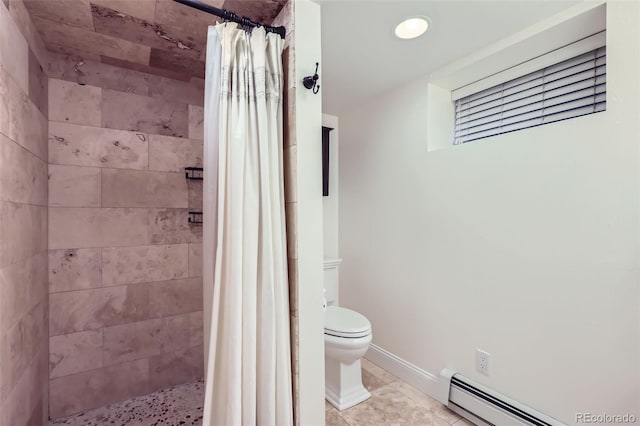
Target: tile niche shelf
{"points": [[194, 173]]}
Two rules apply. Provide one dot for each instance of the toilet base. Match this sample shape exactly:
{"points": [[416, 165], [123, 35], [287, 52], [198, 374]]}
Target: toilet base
{"points": [[343, 384], [355, 397]]}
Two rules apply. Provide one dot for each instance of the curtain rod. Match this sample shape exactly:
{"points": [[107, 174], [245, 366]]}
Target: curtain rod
{"points": [[230, 16]]}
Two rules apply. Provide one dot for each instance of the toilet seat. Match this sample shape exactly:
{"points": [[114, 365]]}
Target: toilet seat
{"points": [[345, 323]]}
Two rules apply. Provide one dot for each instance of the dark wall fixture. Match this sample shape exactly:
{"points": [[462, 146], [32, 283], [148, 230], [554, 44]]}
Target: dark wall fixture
{"points": [[195, 218], [193, 173], [311, 81], [325, 160]]}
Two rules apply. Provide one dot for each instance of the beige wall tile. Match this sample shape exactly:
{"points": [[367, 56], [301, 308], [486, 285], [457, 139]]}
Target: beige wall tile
{"points": [[85, 71], [169, 154], [183, 366], [27, 125], [289, 65], [196, 81], [143, 9], [27, 395], [72, 144], [14, 51], [285, 17], [23, 228], [74, 186], [189, 22], [76, 13], [79, 55], [129, 265], [85, 40], [74, 353], [149, 71], [21, 17], [175, 297], [179, 64], [72, 103], [171, 226], [5, 105], [95, 388], [112, 22], [22, 285], [295, 341], [56, 46], [196, 329], [38, 417], [290, 174], [289, 128], [20, 344], [292, 266], [195, 194], [292, 234], [38, 85], [132, 188], [92, 309], [23, 176], [195, 260], [92, 227], [23, 299], [175, 90], [74, 269], [143, 339], [144, 114], [196, 122]]}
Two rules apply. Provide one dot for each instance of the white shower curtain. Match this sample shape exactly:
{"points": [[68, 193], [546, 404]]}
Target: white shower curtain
{"points": [[249, 365]]}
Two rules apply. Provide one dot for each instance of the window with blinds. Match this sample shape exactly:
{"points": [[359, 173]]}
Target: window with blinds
{"points": [[561, 91]]}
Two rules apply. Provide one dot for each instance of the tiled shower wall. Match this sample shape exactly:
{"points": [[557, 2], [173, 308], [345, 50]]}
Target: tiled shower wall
{"points": [[124, 263], [286, 19], [23, 220]]}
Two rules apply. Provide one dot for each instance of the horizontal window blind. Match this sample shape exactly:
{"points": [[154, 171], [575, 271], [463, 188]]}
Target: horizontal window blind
{"points": [[561, 91]]}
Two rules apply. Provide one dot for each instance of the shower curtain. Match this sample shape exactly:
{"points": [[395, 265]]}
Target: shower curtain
{"points": [[249, 365]]}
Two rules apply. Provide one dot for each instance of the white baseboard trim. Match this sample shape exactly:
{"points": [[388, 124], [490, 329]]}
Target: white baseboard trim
{"points": [[409, 373]]}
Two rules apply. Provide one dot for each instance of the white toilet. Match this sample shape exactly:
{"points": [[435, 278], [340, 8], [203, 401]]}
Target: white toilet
{"points": [[347, 335]]}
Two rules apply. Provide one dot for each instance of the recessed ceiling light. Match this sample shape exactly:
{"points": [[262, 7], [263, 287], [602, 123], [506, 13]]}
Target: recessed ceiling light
{"points": [[412, 28]]}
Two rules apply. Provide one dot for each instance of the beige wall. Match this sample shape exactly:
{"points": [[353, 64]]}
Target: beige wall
{"points": [[524, 245], [23, 220], [124, 264]]}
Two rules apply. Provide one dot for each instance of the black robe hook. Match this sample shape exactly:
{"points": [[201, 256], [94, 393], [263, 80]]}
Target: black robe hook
{"points": [[311, 81]]}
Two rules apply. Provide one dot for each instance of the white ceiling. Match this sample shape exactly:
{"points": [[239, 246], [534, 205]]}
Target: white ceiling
{"points": [[362, 58]]}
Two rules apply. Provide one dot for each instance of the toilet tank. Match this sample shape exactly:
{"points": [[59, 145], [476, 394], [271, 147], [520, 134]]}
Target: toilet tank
{"points": [[331, 280]]}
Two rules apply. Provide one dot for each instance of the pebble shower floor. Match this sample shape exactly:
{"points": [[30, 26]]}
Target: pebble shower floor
{"points": [[178, 405]]}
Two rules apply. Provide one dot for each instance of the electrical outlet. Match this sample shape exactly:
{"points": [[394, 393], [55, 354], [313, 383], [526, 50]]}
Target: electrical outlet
{"points": [[482, 361]]}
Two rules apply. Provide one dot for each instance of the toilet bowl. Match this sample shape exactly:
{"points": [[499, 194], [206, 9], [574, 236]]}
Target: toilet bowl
{"points": [[347, 335]]}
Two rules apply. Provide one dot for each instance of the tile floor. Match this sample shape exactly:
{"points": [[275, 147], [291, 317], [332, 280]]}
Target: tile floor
{"points": [[392, 402]]}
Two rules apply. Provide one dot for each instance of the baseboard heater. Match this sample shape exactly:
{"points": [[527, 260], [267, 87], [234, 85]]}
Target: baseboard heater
{"points": [[484, 406]]}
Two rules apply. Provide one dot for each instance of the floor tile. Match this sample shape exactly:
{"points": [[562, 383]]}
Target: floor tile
{"points": [[426, 401], [463, 422], [374, 377], [332, 416], [390, 405]]}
